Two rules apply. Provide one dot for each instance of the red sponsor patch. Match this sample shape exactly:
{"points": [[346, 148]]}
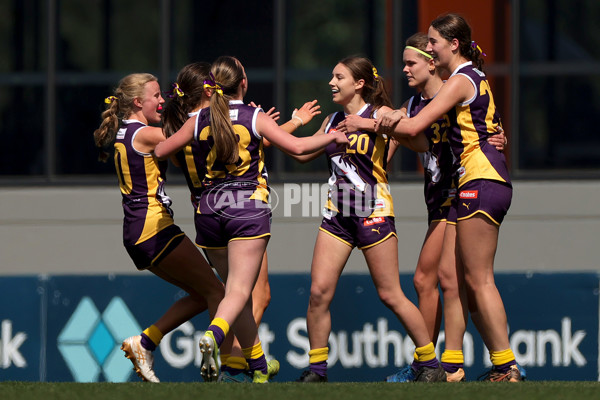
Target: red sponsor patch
{"points": [[468, 194], [373, 221]]}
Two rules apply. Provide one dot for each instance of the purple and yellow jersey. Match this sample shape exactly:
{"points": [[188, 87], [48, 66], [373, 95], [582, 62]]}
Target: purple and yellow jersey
{"points": [[438, 160], [250, 169], [471, 123], [193, 166], [358, 185], [141, 179]]}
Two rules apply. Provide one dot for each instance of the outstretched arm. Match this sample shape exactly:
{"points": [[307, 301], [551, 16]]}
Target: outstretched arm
{"points": [[293, 145]]}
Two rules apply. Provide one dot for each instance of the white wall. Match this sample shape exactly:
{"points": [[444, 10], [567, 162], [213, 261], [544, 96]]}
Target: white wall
{"points": [[551, 226]]}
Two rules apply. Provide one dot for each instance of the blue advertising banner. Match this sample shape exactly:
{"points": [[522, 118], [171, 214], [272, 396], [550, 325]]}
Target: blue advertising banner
{"points": [[70, 328]]}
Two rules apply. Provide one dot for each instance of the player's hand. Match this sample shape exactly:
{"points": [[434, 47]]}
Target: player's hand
{"points": [[273, 113], [386, 123], [340, 137], [498, 140], [350, 124], [306, 113]]}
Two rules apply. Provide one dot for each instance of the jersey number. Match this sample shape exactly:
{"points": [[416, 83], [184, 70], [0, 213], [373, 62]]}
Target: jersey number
{"points": [[361, 141], [237, 169], [122, 167]]}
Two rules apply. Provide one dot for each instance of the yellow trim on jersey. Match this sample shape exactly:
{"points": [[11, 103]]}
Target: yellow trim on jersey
{"points": [[122, 167], [261, 193], [157, 218], [191, 167], [476, 164], [336, 237], [380, 176], [479, 212], [379, 241]]}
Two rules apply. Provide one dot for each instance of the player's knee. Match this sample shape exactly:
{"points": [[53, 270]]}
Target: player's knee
{"points": [[390, 299]]}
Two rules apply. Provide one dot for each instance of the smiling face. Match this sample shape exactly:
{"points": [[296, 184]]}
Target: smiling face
{"points": [[343, 86], [417, 69], [440, 48], [151, 102]]}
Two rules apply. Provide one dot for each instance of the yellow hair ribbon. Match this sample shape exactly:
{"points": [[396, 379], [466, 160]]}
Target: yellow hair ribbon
{"points": [[177, 90], [216, 87], [427, 55], [476, 46], [110, 99], [375, 73]]}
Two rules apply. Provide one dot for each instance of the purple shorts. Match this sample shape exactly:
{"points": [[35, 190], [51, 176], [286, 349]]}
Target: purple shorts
{"points": [[152, 251], [357, 231], [488, 197], [439, 208], [223, 217]]}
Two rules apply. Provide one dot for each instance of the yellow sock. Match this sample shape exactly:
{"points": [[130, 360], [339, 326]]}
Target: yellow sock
{"points": [[501, 357], [318, 355], [154, 334], [425, 353], [224, 358], [236, 363], [253, 352], [453, 357], [221, 323]]}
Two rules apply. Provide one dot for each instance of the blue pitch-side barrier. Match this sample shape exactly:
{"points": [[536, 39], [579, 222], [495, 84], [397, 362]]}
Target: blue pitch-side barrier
{"points": [[69, 328]]}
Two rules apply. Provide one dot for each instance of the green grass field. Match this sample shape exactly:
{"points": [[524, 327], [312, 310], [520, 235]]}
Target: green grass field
{"points": [[282, 391]]}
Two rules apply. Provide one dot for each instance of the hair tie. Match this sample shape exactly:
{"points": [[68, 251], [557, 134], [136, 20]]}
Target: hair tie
{"points": [[375, 73], [177, 90], [476, 47], [211, 84], [424, 53], [110, 99]]}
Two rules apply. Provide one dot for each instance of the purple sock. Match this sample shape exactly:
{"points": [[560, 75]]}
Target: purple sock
{"points": [[433, 363], [218, 334], [257, 364], [319, 368], [451, 367], [147, 343], [505, 367]]}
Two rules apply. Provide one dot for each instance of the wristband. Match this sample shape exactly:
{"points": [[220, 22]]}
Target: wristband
{"points": [[300, 119]]}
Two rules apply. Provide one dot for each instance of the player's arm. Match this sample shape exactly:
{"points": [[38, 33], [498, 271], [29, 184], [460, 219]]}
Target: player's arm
{"points": [[300, 148], [177, 141], [456, 90]]}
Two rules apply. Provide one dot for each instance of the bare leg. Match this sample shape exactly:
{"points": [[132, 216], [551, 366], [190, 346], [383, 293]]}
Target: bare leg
{"points": [[329, 258], [244, 258], [186, 268], [426, 279], [452, 284], [478, 263], [382, 260], [261, 295], [181, 311]]}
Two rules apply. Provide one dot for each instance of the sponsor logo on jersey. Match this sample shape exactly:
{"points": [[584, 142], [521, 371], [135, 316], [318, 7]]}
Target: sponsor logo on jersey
{"points": [[373, 221], [469, 194], [233, 114], [377, 204]]}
